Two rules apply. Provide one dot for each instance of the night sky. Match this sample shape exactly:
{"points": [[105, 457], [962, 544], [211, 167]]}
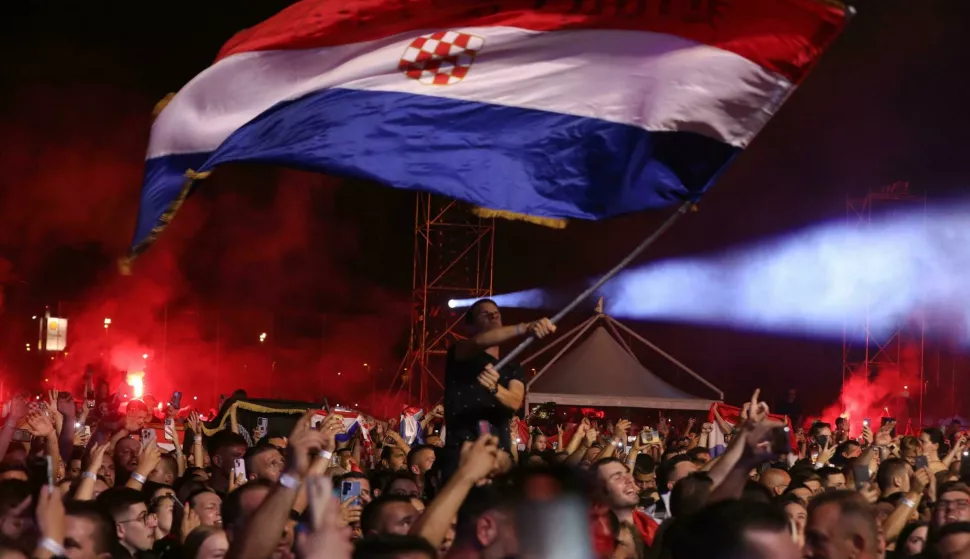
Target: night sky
{"points": [[887, 103]]}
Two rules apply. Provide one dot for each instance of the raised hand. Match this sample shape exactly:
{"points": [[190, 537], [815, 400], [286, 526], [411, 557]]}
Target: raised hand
{"points": [[39, 424], [349, 512], [50, 514], [303, 441], [478, 459], [329, 536], [97, 456], [541, 328], [190, 521], [149, 458], [620, 429], [758, 410]]}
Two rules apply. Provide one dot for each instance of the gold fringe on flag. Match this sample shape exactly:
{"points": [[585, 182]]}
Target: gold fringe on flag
{"points": [[551, 222], [124, 264], [160, 106], [248, 406]]}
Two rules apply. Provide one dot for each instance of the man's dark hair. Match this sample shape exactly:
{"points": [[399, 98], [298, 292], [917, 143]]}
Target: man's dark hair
{"points": [[472, 310], [817, 427], [851, 505], [719, 531], [645, 464], [349, 476], [13, 467], [754, 492], [395, 476], [690, 494], [105, 536], [252, 452], [12, 493], [844, 448], [117, 500], [202, 491], [224, 438], [370, 516], [790, 499], [392, 546], [889, 469], [952, 486], [666, 469], [827, 471], [497, 495], [697, 450], [413, 455], [232, 511]]}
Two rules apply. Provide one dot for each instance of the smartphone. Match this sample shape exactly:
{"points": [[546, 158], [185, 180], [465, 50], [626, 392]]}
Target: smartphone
{"points": [[866, 422], [631, 440], [484, 428], [147, 436], [861, 475], [350, 489], [40, 472], [262, 425], [239, 471], [822, 441], [169, 422], [780, 441], [87, 431], [176, 401], [921, 462]]}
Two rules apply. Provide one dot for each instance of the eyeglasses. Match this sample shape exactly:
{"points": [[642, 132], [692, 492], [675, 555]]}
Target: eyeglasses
{"points": [[958, 504], [143, 518]]}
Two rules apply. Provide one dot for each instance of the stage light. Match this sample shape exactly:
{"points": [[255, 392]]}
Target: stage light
{"points": [[107, 321], [262, 337], [338, 374], [33, 317], [452, 303], [195, 397], [144, 356]]}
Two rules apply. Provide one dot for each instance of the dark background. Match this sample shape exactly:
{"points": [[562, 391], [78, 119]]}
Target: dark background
{"points": [[325, 265]]}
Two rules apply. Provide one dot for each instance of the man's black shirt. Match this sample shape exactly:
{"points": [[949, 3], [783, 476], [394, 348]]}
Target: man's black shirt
{"points": [[467, 402]]}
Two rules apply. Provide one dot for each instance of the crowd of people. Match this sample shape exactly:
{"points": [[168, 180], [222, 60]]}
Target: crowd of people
{"points": [[475, 479]]}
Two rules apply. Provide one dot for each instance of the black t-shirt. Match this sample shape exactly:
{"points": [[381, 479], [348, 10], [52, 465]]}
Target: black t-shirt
{"points": [[467, 402]]}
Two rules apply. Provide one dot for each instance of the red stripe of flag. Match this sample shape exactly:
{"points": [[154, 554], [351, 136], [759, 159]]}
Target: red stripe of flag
{"points": [[783, 36]]}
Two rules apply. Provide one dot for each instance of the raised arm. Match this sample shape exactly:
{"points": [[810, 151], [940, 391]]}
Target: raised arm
{"points": [[472, 345]]}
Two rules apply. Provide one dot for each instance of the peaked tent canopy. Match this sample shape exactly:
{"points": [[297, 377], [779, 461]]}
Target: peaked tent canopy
{"points": [[600, 371]]}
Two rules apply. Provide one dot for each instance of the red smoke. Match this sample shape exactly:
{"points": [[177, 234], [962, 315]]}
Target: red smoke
{"points": [[885, 391], [257, 250]]}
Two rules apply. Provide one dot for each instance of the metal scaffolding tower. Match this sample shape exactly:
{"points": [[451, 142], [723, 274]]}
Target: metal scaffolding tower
{"points": [[453, 259], [862, 349]]}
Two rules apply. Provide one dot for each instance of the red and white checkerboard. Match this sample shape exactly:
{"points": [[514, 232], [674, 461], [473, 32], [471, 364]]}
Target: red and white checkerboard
{"points": [[441, 58]]}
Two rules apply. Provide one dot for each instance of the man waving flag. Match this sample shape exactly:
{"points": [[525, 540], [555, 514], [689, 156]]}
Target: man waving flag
{"points": [[544, 108]]}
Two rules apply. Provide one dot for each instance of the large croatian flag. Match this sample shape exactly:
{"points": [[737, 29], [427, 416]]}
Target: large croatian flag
{"points": [[541, 107]]}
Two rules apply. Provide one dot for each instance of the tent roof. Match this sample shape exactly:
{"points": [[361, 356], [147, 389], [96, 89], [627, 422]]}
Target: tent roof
{"points": [[600, 372]]}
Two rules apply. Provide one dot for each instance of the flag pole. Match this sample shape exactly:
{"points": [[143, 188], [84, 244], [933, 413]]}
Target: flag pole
{"points": [[683, 209]]}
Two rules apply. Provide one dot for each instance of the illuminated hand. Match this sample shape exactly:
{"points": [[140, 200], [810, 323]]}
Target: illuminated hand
{"points": [[620, 429], [479, 459], [541, 328], [488, 378], [39, 424]]}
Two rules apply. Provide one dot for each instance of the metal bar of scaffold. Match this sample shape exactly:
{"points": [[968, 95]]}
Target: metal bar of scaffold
{"points": [[683, 209]]}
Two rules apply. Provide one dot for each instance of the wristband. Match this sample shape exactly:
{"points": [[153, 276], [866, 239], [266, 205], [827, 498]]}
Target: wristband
{"points": [[89, 475], [907, 502], [198, 439], [290, 481], [325, 454], [139, 478], [52, 546]]}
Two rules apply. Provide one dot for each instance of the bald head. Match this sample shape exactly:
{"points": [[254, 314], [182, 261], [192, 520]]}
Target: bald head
{"points": [[775, 480]]}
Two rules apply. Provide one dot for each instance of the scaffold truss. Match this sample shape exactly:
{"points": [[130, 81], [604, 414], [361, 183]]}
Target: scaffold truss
{"points": [[453, 259], [862, 349]]}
